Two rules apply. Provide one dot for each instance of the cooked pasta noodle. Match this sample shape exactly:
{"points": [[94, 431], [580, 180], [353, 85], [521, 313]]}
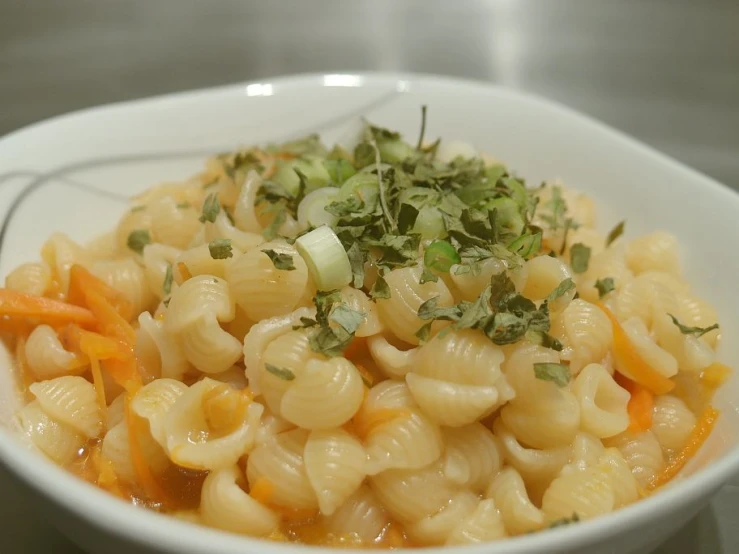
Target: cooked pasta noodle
{"points": [[385, 346]]}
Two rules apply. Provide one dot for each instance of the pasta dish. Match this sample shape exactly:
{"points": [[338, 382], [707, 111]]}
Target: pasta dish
{"points": [[398, 344]]}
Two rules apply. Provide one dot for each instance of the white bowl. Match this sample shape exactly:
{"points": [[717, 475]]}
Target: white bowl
{"points": [[74, 173]]}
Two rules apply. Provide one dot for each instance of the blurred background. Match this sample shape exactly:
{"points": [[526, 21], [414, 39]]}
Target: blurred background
{"points": [[666, 72]]}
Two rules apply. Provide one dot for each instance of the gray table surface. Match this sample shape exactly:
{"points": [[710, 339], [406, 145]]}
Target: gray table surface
{"points": [[666, 72]]}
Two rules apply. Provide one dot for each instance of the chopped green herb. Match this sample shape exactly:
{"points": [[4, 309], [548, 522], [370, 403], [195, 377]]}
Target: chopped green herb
{"points": [[557, 210], [695, 331], [138, 239], [605, 286], [138, 209], [220, 249], [563, 288], [184, 205], [283, 262], [380, 289], [527, 245], [280, 372], [564, 521], [579, 257], [211, 207], [427, 276], [559, 374], [424, 332], [168, 278], [336, 323], [616, 232]]}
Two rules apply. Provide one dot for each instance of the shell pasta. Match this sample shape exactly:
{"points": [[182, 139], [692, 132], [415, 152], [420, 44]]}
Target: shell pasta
{"points": [[393, 346]]}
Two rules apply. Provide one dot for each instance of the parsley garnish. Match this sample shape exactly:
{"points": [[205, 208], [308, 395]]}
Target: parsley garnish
{"points": [[138, 239], [605, 286], [563, 288], [281, 261], [138, 209], [220, 249], [168, 278], [336, 323], [559, 374], [695, 331], [557, 210], [183, 205], [380, 289], [501, 313], [579, 257], [211, 207], [616, 232], [280, 372]]}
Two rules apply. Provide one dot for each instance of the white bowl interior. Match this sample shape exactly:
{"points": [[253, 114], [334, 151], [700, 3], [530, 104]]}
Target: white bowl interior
{"points": [[81, 168]]}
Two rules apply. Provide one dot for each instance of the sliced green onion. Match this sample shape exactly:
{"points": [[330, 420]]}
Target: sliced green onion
{"points": [[312, 209], [326, 258], [363, 187], [430, 223], [508, 217], [394, 150], [440, 256], [312, 167]]}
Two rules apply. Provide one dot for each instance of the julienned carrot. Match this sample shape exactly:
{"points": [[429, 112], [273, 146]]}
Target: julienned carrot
{"points": [[82, 283], [20, 305], [355, 348], [641, 404], [146, 479], [110, 322], [698, 436], [626, 355]]}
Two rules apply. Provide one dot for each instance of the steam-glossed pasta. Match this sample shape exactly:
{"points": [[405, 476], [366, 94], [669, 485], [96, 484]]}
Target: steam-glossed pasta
{"points": [[394, 346]]}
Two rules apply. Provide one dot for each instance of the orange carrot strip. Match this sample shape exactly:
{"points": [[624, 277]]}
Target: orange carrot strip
{"points": [[45, 310], [355, 348], [82, 283], [698, 436], [626, 355], [110, 322], [97, 380], [715, 375], [640, 406], [145, 477], [366, 424]]}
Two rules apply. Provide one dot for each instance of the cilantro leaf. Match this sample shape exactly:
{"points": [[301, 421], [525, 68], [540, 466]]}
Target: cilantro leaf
{"points": [[527, 245], [281, 372], [407, 218], [138, 239], [616, 232], [220, 249], [559, 374], [605, 286], [211, 207], [695, 331], [281, 261], [579, 257]]}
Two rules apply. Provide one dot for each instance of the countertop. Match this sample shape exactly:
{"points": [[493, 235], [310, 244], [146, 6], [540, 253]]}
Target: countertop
{"points": [[665, 72]]}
